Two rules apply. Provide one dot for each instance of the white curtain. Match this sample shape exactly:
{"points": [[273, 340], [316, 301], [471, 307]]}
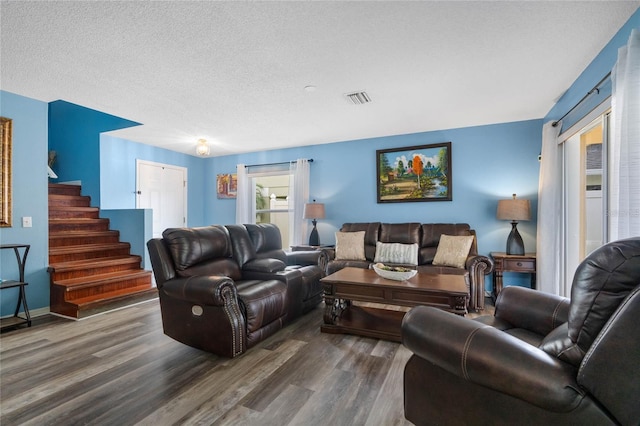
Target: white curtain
{"points": [[298, 196], [550, 252], [244, 202], [624, 148]]}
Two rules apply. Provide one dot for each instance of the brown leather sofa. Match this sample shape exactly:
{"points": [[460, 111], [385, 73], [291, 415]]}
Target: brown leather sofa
{"points": [[217, 294], [540, 360], [427, 237]]}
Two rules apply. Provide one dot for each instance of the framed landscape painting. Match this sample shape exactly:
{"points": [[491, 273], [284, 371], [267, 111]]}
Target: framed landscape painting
{"points": [[414, 173]]}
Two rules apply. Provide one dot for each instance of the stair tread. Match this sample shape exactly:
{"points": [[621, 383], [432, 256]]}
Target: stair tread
{"points": [[93, 263], [76, 234], [112, 296], [92, 280], [68, 196], [77, 219], [74, 208], [84, 248]]}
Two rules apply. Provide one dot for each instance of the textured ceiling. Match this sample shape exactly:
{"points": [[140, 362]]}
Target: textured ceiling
{"points": [[234, 73]]}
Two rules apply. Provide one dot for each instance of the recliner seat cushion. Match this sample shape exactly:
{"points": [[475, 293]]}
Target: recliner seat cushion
{"points": [[262, 302]]}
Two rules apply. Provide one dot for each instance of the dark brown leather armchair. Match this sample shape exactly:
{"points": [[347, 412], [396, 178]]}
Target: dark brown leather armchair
{"points": [[540, 359]]}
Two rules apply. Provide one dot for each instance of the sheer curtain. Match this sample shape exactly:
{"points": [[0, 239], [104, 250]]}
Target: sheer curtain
{"points": [[624, 148], [298, 196], [549, 239], [243, 196]]}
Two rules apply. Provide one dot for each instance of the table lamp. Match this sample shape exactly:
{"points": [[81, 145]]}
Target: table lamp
{"points": [[314, 211], [514, 210]]}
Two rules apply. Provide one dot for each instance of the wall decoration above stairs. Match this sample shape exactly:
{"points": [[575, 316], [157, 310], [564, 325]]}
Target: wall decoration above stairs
{"points": [[90, 270]]}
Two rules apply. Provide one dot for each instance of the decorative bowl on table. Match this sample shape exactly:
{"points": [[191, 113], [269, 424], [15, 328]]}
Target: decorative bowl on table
{"points": [[397, 273]]}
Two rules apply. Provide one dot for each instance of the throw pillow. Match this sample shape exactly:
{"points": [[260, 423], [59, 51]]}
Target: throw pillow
{"points": [[406, 254], [453, 250], [350, 246]]}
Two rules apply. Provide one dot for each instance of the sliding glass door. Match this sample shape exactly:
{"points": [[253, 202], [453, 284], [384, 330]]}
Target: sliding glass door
{"points": [[585, 191]]}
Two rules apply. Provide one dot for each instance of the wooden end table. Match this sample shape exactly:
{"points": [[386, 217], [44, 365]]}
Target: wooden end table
{"points": [[448, 292], [504, 262]]}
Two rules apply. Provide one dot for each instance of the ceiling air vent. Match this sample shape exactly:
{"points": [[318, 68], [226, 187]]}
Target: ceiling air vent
{"points": [[358, 98]]}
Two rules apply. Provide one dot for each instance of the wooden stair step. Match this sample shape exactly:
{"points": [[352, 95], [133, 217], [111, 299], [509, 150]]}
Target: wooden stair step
{"points": [[91, 267], [111, 295], [86, 286], [91, 263], [98, 303], [88, 251], [56, 200], [73, 212], [64, 225], [64, 189], [72, 238], [87, 248]]}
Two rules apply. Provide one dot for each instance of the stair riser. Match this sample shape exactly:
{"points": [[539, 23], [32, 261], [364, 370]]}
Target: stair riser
{"points": [[79, 226], [95, 271], [63, 241], [69, 257], [64, 189], [70, 214], [70, 202], [71, 295]]}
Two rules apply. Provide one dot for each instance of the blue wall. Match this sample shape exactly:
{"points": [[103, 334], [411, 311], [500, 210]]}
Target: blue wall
{"points": [[488, 162], [74, 133], [30, 194], [118, 175]]}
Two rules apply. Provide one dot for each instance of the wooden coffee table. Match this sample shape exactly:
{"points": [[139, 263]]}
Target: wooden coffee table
{"points": [[448, 292]]}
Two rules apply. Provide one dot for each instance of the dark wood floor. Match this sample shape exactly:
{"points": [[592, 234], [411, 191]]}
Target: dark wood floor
{"points": [[118, 368]]}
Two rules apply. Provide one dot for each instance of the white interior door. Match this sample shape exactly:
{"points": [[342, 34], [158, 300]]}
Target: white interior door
{"points": [[162, 188]]}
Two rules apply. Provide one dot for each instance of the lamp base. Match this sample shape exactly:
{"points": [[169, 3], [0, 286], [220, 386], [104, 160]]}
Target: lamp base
{"points": [[515, 245], [314, 238]]}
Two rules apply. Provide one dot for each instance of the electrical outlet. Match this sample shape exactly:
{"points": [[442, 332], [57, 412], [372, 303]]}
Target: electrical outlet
{"points": [[26, 222]]}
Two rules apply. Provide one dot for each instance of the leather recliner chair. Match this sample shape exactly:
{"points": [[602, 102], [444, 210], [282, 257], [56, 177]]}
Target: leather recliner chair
{"points": [[206, 300], [541, 359]]}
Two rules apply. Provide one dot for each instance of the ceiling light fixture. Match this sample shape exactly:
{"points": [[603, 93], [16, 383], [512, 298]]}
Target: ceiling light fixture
{"points": [[358, 98], [202, 149]]}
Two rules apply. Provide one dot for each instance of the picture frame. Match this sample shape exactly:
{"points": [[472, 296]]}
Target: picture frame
{"points": [[227, 185], [5, 172], [414, 173]]}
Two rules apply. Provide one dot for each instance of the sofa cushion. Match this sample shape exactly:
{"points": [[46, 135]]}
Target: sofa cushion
{"points": [[371, 236], [406, 254], [350, 245], [453, 250]]}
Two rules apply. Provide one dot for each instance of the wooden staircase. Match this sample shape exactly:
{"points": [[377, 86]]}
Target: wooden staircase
{"points": [[90, 270]]}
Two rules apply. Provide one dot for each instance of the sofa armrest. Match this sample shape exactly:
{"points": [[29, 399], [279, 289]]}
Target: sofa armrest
{"points": [[491, 358], [203, 290], [267, 265], [478, 266], [531, 309], [319, 257], [287, 275]]}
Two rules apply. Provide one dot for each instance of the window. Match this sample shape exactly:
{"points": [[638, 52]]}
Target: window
{"points": [[272, 200]]}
